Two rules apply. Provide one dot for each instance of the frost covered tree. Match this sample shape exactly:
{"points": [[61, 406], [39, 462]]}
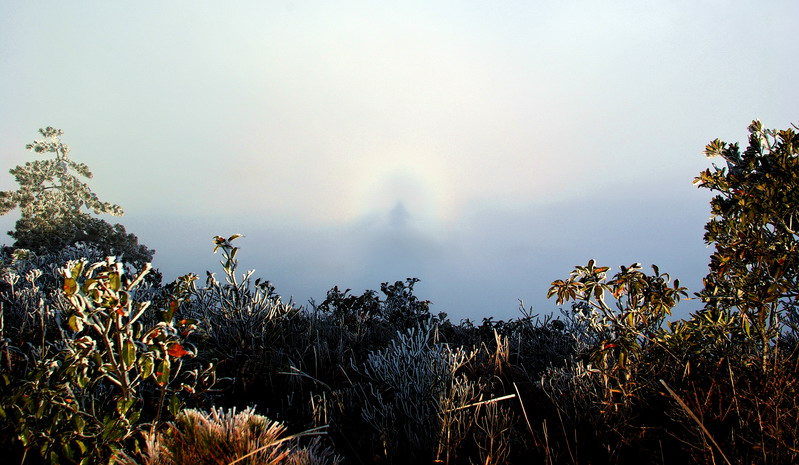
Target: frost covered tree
{"points": [[56, 206]]}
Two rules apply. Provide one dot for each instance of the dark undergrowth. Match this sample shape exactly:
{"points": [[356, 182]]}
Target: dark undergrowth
{"points": [[92, 374]]}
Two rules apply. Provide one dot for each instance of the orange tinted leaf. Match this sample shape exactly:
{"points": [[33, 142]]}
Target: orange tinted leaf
{"points": [[177, 350], [70, 286]]}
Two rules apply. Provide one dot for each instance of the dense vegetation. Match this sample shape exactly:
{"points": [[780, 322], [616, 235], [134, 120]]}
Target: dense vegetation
{"points": [[102, 363]]}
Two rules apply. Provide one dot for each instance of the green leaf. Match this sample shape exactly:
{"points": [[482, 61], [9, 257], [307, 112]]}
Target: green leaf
{"points": [[167, 315], [89, 284], [24, 436], [174, 406], [124, 298], [75, 323], [128, 353], [123, 405], [114, 281], [162, 372], [146, 364], [746, 325], [79, 423], [76, 270], [112, 430], [81, 446], [39, 410]]}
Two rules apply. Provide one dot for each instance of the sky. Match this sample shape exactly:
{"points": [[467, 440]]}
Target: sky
{"points": [[485, 148]]}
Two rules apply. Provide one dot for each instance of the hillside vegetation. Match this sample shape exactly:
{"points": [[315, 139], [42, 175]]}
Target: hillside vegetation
{"points": [[101, 362]]}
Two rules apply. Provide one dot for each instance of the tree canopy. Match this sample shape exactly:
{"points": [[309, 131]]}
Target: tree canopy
{"points": [[754, 270], [56, 205]]}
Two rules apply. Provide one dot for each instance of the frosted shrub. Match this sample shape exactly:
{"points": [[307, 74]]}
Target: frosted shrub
{"points": [[237, 317], [589, 326], [240, 319], [455, 417], [247, 332], [25, 313], [227, 437], [402, 308], [576, 388], [494, 429], [408, 389], [30, 290], [536, 344]]}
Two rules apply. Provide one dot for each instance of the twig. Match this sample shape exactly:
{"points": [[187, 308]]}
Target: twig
{"points": [[696, 419], [476, 404], [524, 411], [311, 432]]}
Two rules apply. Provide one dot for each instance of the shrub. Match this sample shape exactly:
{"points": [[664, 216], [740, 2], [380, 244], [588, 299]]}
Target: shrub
{"points": [[243, 324], [618, 337], [79, 396], [408, 388], [219, 437]]}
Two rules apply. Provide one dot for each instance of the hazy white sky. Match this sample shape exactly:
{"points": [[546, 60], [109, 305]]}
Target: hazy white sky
{"points": [[483, 147]]}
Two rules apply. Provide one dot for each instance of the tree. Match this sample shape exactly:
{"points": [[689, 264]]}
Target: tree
{"points": [[754, 270], [53, 201]]}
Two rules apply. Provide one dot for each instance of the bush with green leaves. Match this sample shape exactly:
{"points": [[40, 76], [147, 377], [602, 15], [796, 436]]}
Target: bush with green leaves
{"points": [[754, 269], [82, 394], [721, 385], [31, 290], [739, 353], [619, 336]]}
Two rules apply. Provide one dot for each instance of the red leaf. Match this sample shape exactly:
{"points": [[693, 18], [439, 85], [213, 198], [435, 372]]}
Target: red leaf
{"points": [[177, 350]]}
